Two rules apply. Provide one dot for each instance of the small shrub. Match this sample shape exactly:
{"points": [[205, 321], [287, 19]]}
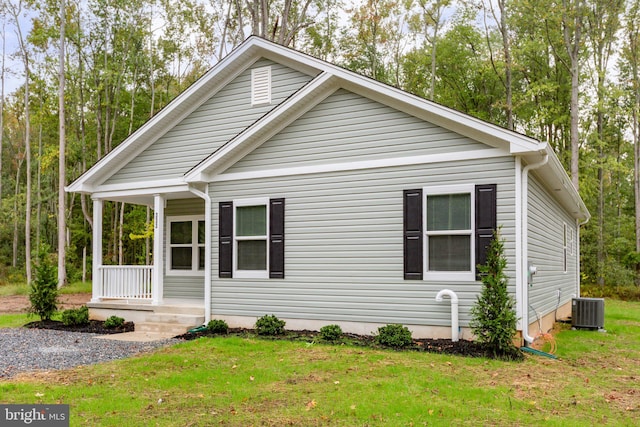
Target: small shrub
{"points": [[331, 333], [270, 325], [217, 326], [394, 335], [43, 291], [113, 322], [76, 316]]}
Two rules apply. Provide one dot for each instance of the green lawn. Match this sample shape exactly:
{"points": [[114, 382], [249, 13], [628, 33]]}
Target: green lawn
{"points": [[23, 289], [241, 381]]}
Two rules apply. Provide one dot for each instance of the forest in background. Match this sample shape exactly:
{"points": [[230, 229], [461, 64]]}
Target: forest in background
{"points": [[91, 72]]}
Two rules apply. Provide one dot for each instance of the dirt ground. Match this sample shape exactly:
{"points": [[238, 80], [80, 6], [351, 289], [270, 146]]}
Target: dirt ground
{"points": [[20, 303]]}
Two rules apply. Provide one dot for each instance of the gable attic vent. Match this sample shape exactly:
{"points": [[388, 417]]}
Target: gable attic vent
{"points": [[261, 86]]}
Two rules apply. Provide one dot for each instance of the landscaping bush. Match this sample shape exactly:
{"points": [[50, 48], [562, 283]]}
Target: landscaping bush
{"points": [[270, 325], [331, 333], [493, 315], [394, 335], [217, 326], [76, 316], [113, 322], [43, 291]]}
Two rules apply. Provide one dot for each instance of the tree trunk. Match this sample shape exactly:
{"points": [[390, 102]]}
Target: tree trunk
{"points": [[572, 42], [62, 226]]}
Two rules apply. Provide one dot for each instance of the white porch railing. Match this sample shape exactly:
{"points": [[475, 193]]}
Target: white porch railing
{"points": [[125, 281]]}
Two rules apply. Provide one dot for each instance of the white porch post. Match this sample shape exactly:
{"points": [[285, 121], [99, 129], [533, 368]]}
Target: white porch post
{"points": [[97, 250], [158, 248]]}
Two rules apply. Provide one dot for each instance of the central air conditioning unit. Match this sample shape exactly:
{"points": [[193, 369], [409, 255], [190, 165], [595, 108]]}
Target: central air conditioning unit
{"points": [[587, 313]]}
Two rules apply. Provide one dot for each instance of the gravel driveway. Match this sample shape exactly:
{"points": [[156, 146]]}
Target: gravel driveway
{"points": [[23, 350]]}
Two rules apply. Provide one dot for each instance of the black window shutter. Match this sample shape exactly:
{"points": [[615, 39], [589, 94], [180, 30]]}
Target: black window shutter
{"points": [[486, 221], [225, 240], [413, 249], [276, 238]]}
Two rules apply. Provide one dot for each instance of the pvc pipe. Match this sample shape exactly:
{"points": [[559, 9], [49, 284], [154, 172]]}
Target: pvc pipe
{"points": [[454, 311]]}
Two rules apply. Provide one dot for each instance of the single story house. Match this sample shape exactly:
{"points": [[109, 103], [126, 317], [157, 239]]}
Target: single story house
{"points": [[283, 184]]}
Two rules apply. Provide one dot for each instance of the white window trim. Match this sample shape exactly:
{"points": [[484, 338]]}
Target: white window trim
{"points": [[250, 274], [194, 245], [449, 276], [567, 246]]}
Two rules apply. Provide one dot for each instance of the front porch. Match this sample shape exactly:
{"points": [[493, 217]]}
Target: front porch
{"points": [[127, 291], [173, 315], [141, 293]]}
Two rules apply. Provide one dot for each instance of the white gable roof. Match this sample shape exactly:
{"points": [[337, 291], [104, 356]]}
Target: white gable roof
{"points": [[328, 78]]}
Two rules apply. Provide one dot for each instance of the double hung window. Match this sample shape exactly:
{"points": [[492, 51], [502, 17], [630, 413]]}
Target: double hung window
{"points": [[251, 225], [449, 233], [186, 249]]}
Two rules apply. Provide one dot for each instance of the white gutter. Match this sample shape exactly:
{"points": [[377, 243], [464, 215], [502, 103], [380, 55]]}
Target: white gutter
{"points": [[454, 311], [524, 283], [207, 250]]}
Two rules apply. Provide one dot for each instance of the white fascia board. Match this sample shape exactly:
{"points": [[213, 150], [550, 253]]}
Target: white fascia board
{"points": [[557, 182], [568, 193], [428, 110], [179, 108], [440, 115], [268, 125], [364, 164]]}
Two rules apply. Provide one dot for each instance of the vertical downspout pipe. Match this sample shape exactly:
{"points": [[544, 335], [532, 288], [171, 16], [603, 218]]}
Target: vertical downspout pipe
{"points": [[579, 224], [525, 244], [454, 311], [207, 250]]}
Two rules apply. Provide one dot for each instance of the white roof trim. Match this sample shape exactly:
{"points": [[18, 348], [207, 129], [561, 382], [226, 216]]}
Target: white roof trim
{"points": [[331, 77], [268, 125], [364, 164], [184, 104]]}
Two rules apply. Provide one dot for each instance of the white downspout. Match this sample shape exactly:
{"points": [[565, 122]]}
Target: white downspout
{"points": [[207, 250], [578, 225], [524, 283], [454, 311]]}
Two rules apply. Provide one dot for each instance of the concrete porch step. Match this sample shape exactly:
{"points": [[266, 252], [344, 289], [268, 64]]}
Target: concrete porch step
{"points": [[177, 318], [179, 309], [171, 329]]}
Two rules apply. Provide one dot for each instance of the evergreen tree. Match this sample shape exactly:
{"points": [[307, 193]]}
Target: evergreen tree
{"points": [[493, 315], [43, 293]]}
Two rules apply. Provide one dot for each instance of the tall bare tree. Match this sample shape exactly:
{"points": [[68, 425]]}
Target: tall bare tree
{"points": [[2, 79], [16, 11], [62, 224], [572, 23]]}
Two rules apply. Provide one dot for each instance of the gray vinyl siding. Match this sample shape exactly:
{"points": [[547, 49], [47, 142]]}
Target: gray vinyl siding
{"points": [[181, 286], [545, 250], [347, 127], [343, 245], [210, 126]]}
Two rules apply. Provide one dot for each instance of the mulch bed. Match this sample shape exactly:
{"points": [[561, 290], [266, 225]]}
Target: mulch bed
{"points": [[442, 346], [94, 327]]}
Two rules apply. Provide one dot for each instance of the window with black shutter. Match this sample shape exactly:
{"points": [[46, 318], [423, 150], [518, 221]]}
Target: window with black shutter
{"points": [[251, 238], [447, 230]]}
